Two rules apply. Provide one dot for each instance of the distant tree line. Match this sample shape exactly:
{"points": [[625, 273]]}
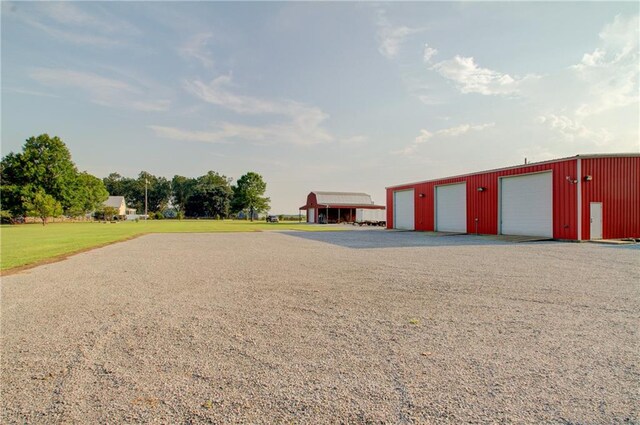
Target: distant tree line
{"points": [[209, 196], [42, 181]]}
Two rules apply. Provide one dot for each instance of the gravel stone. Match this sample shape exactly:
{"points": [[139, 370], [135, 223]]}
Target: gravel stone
{"points": [[367, 326]]}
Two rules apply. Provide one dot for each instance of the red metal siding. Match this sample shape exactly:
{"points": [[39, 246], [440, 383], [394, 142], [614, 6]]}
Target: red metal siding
{"points": [[484, 205], [616, 183], [389, 209], [312, 203]]}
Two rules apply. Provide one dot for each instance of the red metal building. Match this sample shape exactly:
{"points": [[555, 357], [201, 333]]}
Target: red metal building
{"points": [[578, 198], [336, 207]]}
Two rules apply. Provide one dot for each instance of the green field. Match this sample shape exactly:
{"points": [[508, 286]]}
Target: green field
{"points": [[32, 243]]}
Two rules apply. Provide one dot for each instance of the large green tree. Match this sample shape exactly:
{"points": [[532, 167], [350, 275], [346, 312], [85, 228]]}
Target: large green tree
{"points": [[158, 191], [115, 184], [181, 189], [211, 196], [43, 178], [47, 164], [40, 204], [248, 195], [13, 185], [90, 193]]}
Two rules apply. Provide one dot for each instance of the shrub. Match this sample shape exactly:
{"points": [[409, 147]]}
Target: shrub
{"points": [[5, 217]]}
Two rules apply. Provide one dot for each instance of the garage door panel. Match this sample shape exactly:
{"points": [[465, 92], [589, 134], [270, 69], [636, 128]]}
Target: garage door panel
{"points": [[403, 210], [451, 208], [526, 205]]}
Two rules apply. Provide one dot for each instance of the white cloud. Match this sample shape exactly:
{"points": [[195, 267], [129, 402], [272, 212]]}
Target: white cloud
{"points": [[81, 25], [101, 90], [261, 135], [390, 37], [611, 71], [429, 53], [354, 140], [188, 135], [88, 81], [462, 129], [197, 48], [406, 151], [470, 78], [423, 137], [68, 13], [28, 92], [303, 125], [574, 131], [604, 100], [150, 105], [73, 37], [426, 135], [218, 92]]}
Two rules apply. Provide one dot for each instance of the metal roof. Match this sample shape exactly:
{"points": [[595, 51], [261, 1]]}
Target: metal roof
{"points": [[342, 198], [114, 201], [583, 156]]}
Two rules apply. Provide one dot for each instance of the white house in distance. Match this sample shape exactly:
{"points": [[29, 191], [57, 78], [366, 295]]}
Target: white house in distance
{"points": [[119, 204]]}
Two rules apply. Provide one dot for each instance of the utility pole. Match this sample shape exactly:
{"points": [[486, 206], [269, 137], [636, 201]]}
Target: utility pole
{"points": [[146, 182]]}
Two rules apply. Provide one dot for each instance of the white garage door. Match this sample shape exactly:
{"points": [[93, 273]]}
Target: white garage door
{"points": [[311, 215], [403, 210], [526, 205], [451, 208]]}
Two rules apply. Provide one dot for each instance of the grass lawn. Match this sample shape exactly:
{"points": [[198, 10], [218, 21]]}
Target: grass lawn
{"points": [[31, 243]]}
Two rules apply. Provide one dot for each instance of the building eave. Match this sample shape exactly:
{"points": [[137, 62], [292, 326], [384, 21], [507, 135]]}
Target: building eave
{"points": [[551, 161]]}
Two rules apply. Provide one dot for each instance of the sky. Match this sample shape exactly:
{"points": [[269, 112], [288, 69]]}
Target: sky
{"points": [[320, 96]]}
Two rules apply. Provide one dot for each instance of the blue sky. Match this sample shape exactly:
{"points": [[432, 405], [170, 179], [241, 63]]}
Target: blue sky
{"points": [[320, 96]]}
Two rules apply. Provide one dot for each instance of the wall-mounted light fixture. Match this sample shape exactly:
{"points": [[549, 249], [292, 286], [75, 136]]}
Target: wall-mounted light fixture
{"points": [[588, 178], [422, 195], [571, 180], [481, 189]]}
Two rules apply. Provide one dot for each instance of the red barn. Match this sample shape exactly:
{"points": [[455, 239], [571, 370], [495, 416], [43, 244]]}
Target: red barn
{"points": [[336, 207], [578, 198]]}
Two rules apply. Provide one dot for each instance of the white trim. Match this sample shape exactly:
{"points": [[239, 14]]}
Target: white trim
{"points": [[579, 206]]}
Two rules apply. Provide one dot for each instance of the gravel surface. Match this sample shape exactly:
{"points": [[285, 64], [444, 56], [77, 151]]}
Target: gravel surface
{"points": [[358, 327]]}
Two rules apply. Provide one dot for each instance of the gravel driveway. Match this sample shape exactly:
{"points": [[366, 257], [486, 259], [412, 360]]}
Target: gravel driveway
{"points": [[358, 327]]}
